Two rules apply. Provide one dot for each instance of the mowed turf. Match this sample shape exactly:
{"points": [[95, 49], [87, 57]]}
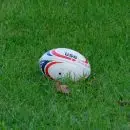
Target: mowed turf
{"points": [[98, 30]]}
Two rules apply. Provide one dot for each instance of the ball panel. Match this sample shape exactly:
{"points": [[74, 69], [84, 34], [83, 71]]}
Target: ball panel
{"points": [[63, 70], [70, 53], [43, 64], [48, 67]]}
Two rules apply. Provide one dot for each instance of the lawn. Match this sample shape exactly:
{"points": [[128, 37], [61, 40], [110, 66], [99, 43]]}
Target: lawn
{"points": [[96, 28]]}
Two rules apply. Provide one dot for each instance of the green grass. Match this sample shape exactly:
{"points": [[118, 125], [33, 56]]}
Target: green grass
{"points": [[98, 30]]}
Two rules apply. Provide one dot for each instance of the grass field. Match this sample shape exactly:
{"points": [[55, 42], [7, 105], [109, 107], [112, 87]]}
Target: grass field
{"points": [[96, 28]]}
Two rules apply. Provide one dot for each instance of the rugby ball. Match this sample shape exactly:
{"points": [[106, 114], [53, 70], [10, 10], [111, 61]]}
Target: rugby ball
{"points": [[64, 63]]}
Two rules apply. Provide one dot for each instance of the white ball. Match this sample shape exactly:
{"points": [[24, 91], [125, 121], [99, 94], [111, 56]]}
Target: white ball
{"points": [[62, 62]]}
